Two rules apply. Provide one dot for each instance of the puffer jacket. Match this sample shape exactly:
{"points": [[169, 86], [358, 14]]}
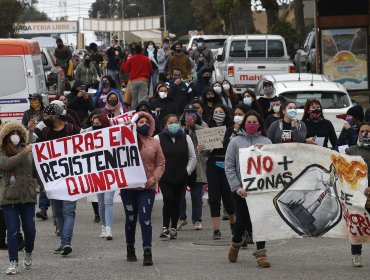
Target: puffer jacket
{"points": [[151, 151], [19, 166], [232, 166]]}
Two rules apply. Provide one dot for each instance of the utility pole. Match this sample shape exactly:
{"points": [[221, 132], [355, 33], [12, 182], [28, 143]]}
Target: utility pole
{"points": [[164, 15]]}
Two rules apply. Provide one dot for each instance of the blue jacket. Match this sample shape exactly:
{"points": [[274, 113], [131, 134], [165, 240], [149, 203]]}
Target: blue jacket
{"points": [[99, 93]]}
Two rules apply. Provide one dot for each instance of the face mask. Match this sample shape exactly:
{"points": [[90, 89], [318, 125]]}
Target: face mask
{"points": [[60, 46], [163, 94], [251, 128], [238, 119], [206, 78], [178, 51], [247, 101], [226, 87], [143, 130], [96, 127], [48, 123], [150, 47], [105, 84], [217, 89], [363, 141], [174, 128], [194, 48], [219, 118], [165, 45], [349, 120], [112, 102], [200, 45], [268, 91], [210, 99], [87, 61], [315, 114], [276, 109], [291, 113], [15, 139]]}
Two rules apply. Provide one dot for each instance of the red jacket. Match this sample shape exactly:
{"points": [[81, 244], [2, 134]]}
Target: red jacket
{"points": [[138, 67]]}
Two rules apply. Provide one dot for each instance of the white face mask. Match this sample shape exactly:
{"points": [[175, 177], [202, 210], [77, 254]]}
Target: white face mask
{"points": [[217, 89], [238, 119], [194, 48], [226, 87], [163, 94], [276, 109], [200, 45], [15, 139]]}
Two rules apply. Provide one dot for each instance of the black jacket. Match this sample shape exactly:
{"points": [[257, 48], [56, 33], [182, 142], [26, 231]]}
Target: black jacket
{"points": [[167, 106], [181, 94], [80, 105]]}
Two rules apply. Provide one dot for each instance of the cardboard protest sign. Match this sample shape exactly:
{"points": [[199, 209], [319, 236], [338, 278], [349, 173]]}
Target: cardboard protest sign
{"points": [[97, 161], [211, 138], [300, 190]]}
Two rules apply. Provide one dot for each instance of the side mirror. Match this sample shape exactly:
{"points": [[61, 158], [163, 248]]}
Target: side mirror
{"points": [[219, 58]]}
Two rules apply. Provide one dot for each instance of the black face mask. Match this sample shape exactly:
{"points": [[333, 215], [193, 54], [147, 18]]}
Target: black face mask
{"points": [[178, 51], [143, 130], [206, 78], [87, 61], [60, 46], [210, 99], [48, 123], [112, 102], [95, 127]]}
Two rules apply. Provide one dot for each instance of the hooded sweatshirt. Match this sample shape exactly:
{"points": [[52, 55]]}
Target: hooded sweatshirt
{"points": [[232, 166]]}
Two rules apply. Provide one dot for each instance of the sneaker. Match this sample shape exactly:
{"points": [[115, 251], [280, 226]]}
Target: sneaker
{"points": [[67, 249], [216, 234], [97, 219], [108, 231], [42, 214], [165, 233], [13, 268], [173, 233], [198, 226], [27, 260], [181, 223], [148, 260], [131, 255], [58, 250], [103, 233], [356, 261]]}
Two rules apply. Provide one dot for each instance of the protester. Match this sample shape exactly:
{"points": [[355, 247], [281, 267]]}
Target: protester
{"points": [[209, 100], [113, 107], [267, 100], [69, 114], [105, 200], [199, 107], [250, 100], [250, 134], [180, 91], [191, 121], [181, 160], [362, 148], [65, 211], [144, 106], [162, 103], [218, 187], [225, 99], [277, 109], [203, 81], [86, 72], [140, 69], [181, 61], [163, 56], [115, 57], [139, 202], [229, 92], [107, 86], [289, 129], [63, 55], [151, 51], [34, 114], [202, 55], [239, 112], [96, 57], [349, 133], [79, 101], [16, 169], [317, 125]]}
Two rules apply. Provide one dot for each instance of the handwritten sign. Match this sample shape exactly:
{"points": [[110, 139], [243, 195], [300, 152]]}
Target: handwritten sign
{"points": [[211, 138]]}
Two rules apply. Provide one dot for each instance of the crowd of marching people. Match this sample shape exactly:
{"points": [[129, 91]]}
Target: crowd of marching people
{"points": [[184, 101]]}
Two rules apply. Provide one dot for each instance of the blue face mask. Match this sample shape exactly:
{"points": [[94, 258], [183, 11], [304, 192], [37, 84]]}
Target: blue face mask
{"points": [[174, 128], [247, 101], [292, 113], [105, 84]]}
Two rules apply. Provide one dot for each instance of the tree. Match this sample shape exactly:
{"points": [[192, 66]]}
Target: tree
{"points": [[299, 19], [10, 11], [31, 14], [272, 12], [245, 12], [286, 29]]}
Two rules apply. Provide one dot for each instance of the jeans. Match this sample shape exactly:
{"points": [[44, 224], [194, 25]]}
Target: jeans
{"points": [[105, 201], [65, 212], [243, 221], [218, 188], [171, 203], [196, 192], [12, 213], [115, 76], [44, 202], [138, 203], [139, 91], [154, 78]]}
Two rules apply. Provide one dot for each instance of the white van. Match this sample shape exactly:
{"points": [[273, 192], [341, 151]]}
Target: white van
{"points": [[21, 74]]}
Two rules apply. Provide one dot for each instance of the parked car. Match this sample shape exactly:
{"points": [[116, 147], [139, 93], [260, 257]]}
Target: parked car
{"points": [[287, 77], [54, 75], [305, 58], [267, 54], [334, 98]]}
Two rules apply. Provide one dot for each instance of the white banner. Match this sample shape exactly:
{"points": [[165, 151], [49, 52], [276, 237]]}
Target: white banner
{"points": [[305, 190], [97, 161], [47, 27]]}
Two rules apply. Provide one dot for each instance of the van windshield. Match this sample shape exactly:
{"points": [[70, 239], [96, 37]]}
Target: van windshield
{"points": [[328, 99], [257, 48]]}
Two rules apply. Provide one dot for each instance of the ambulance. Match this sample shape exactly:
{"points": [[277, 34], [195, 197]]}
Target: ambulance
{"points": [[21, 74]]}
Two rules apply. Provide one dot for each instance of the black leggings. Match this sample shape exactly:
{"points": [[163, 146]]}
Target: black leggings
{"points": [[218, 188], [243, 221], [171, 203]]}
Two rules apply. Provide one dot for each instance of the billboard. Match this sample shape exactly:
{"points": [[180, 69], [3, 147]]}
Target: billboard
{"points": [[47, 27], [344, 55], [119, 25]]}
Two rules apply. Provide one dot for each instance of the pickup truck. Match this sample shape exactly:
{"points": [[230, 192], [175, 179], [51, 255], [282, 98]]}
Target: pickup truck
{"points": [[267, 54]]}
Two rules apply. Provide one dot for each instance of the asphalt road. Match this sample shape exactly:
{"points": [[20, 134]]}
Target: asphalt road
{"points": [[192, 256]]}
